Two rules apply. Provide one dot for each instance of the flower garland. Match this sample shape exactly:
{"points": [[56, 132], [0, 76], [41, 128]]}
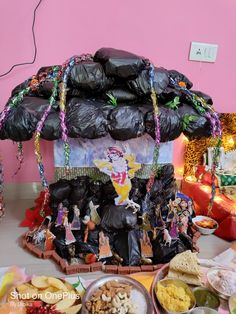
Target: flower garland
{"points": [[157, 130], [65, 71], [40, 124]]}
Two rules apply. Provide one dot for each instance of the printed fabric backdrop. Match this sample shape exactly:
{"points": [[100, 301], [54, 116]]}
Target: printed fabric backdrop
{"points": [[84, 151]]}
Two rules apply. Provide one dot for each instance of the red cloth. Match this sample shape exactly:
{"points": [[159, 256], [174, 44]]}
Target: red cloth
{"points": [[227, 229], [222, 207]]}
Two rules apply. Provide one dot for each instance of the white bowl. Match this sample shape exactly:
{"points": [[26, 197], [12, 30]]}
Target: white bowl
{"points": [[204, 230], [203, 310]]}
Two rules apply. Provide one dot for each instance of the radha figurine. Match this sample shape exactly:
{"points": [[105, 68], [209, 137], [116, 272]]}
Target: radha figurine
{"points": [[60, 215], [76, 224], [69, 237]]}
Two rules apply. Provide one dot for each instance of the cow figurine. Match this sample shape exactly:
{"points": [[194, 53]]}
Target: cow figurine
{"points": [[166, 237]]}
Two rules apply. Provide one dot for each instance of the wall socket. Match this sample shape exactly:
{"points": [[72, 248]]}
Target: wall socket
{"points": [[203, 52]]}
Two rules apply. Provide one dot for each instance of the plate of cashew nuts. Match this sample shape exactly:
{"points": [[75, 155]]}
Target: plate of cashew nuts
{"points": [[116, 294]]}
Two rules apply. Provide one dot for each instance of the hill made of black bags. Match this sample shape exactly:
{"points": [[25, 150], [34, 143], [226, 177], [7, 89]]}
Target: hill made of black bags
{"points": [[89, 112]]}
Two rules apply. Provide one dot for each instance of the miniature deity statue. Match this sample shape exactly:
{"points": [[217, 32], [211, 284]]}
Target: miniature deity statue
{"points": [[69, 237]]}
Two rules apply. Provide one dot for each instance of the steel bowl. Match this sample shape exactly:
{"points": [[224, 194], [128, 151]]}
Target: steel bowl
{"points": [[122, 279], [178, 283], [212, 273], [203, 310]]}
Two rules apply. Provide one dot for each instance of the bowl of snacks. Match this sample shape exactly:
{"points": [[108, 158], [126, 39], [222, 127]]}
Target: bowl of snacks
{"points": [[222, 281], [206, 298], [203, 310], [232, 304], [116, 294], [205, 225], [175, 296], [45, 295]]}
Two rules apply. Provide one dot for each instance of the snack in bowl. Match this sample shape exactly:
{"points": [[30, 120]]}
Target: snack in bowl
{"points": [[47, 295], [112, 297], [185, 267], [223, 281], [175, 296], [205, 225]]}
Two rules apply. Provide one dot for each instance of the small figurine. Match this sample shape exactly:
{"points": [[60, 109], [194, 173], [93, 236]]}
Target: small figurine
{"points": [[69, 237], [166, 238], [146, 246], [93, 213], [104, 246], [72, 259], [60, 215], [49, 237], [90, 226], [76, 224]]}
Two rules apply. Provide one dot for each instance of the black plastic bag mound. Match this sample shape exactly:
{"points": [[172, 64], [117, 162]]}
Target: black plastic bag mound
{"points": [[117, 218], [180, 77], [126, 122], [170, 124], [126, 245], [122, 94], [52, 129], [198, 127], [89, 76], [59, 191], [120, 63], [19, 125], [141, 85], [85, 120]]}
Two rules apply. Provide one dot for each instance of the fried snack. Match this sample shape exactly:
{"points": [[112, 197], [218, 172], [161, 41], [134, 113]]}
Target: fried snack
{"points": [[40, 282], [209, 224], [185, 262]]}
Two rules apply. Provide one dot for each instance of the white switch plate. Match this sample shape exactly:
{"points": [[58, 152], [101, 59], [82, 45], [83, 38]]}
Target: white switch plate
{"points": [[203, 52]]}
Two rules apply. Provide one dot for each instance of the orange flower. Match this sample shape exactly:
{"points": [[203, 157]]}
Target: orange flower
{"points": [[182, 84]]}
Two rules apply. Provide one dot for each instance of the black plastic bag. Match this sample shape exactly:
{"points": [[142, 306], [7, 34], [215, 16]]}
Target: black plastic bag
{"points": [[163, 254], [141, 85], [126, 122], [121, 94], [52, 127], [198, 127], [19, 125], [60, 190], [117, 218], [79, 191], [89, 76], [85, 120], [126, 245], [120, 63], [180, 77], [170, 124], [21, 86]]}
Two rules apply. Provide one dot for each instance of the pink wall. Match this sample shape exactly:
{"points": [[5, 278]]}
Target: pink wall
{"points": [[158, 29]]}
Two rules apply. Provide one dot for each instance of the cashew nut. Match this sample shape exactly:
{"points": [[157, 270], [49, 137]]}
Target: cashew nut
{"points": [[106, 298]]}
